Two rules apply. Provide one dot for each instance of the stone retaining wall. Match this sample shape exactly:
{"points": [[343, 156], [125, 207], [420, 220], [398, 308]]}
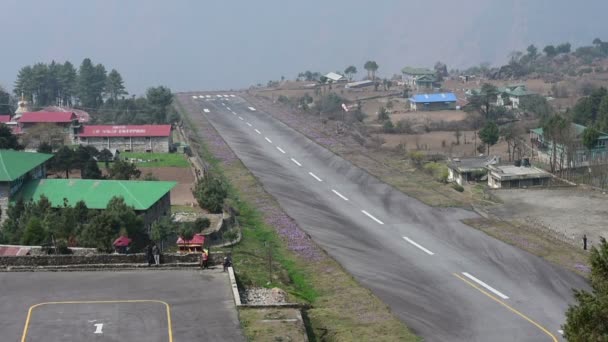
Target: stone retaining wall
{"points": [[216, 258]]}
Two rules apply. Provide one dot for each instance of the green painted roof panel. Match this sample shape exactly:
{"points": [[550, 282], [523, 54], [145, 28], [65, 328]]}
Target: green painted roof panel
{"points": [[417, 71], [96, 194], [14, 164]]}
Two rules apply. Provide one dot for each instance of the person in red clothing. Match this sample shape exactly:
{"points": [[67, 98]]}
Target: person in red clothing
{"points": [[205, 259]]}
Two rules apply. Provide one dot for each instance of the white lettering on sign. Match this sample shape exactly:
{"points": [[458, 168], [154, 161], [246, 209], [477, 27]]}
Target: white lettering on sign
{"points": [[98, 327]]}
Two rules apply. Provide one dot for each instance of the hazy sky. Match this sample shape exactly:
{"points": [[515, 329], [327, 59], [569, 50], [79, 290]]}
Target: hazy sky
{"points": [[205, 45]]}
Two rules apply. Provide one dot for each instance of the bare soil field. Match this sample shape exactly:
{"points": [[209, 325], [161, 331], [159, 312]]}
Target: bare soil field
{"points": [[432, 142], [181, 194], [568, 212]]}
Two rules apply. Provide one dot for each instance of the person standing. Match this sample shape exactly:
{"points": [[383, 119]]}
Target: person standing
{"points": [[205, 258], [585, 241], [149, 256], [156, 253]]}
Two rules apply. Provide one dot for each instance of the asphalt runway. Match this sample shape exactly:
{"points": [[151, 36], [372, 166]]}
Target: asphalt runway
{"points": [[134, 306], [445, 280]]}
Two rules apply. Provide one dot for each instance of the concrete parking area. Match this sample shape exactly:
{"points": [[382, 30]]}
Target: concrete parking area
{"points": [[182, 305]]}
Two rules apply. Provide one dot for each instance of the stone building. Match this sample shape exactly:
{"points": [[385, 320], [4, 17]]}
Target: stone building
{"points": [[150, 199], [17, 168], [510, 176], [67, 122], [141, 138]]}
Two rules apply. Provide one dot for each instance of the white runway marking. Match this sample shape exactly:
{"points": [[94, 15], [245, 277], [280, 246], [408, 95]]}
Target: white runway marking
{"points": [[417, 245], [223, 104], [258, 132], [241, 118], [280, 149], [493, 290], [208, 96], [194, 97], [98, 328], [233, 113], [218, 95], [270, 141], [251, 109], [232, 95], [206, 110], [371, 216], [561, 332], [229, 109], [315, 176], [226, 96], [248, 124], [296, 162], [201, 96], [339, 195]]}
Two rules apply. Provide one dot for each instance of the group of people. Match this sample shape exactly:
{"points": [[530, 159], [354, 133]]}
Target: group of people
{"points": [[205, 260], [153, 254]]}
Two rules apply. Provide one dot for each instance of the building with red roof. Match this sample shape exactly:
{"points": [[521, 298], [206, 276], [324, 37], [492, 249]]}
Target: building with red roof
{"points": [[129, 138], [66, 121], [5, 118], [193, 245]]}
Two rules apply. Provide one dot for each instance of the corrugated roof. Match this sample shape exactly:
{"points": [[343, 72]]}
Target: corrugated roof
{"points": [[197, 239], [50, 117], [14, 164], [127, 131], [333, 76], [5, 118], [96, 194], [576, 128], [432, 98], [417, 71]]}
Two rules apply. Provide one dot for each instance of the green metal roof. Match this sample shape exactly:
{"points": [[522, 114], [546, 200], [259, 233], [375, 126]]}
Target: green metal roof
{"points": [[417, 71], [578, 131], [14, 164], [96, 194]]}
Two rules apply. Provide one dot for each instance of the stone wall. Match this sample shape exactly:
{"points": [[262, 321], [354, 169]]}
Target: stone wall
{"points": [[54, 260], [162, 207], [133, 144]]}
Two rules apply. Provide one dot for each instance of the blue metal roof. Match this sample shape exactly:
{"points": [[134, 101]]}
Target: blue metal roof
{"points": [[432, 98]]}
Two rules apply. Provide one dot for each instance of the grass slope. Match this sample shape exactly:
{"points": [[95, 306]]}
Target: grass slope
{"points": [[157, 159]]}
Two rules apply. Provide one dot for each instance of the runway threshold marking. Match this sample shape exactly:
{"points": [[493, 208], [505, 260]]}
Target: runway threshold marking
{"points": [[280, 149], [229, 109], [194, 96], [206, 110], [488, 287], [232, 95], [540, 327], [417, 245], [315, 176], [371, 216], [257, 131], [241, 118], [248, 124], [267, 139], [339, 195], [296, 162], [251, 109], [31, 309]]}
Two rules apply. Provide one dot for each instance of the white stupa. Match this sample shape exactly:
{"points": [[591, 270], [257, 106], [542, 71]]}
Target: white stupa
{"points": [[23, 107]]}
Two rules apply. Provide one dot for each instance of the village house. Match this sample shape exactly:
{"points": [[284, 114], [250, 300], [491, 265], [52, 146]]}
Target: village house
{"points": [[132, 138], [150, 199], [509, 96], [419, 78], [429, 102], [463, 170], [66, 121], [575, 153], [512, 176], [335, 78], [16, 169]]}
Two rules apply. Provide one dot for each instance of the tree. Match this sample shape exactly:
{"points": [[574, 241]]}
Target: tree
{"points": [[350, 72], [67, 79], [371, 67], [86, 84], [115, 85], [586, 320], [550, 51], [45, 147], [91, 170], [7, 139], [602, 114], [590, 136], [484, 100], [5, 99], [105, 156], [383, 114], [210, 192], [532, 52], [186, 231], [388, 127], [162, 230], [457, 135], [563, 48], [64, 160], [537, 105], [34, 233], [441, 71], [201, 223], [123, 170], [556, 130], [159, 98], [489, 134]]}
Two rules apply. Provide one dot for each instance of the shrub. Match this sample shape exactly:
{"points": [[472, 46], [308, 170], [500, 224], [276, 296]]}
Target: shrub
{"points": [[383, 114], [416, 157], [439, 171], [210, 193], [283, 99], [388, 127], [201, 223], [404, 126], [457, 187]]}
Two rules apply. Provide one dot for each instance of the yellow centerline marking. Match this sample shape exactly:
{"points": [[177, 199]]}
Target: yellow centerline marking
{"points": [[167, 306], [507, 306]]}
